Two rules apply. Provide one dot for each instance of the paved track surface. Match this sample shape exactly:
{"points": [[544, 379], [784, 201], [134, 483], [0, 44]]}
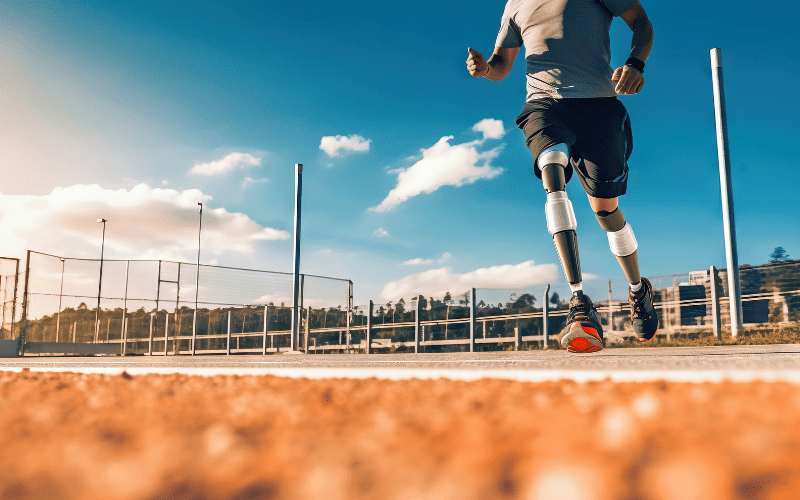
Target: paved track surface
{"points": [[688, 364]]}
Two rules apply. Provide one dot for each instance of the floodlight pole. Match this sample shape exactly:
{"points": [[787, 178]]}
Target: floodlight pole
{"points": [[197, 280], [100, 281], [298, 191], [729, 224]]}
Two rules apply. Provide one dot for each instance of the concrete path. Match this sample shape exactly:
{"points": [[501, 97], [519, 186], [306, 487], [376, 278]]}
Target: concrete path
{"points": [[689, 364]]}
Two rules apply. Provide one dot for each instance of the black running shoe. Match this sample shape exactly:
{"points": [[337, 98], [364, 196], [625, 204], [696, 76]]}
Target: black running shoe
{"points": [[582, 331], [643, 315]]}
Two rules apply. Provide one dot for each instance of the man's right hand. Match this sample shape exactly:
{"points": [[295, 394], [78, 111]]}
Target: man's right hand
{"points": [[476, 64]]}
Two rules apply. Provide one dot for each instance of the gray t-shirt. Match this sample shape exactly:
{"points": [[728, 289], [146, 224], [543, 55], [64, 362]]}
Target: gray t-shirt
{"points": [[566, 44]]}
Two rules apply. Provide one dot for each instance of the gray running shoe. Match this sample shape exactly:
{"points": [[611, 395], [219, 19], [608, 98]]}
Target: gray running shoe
{"points": [[582, 332], [643, 315]]}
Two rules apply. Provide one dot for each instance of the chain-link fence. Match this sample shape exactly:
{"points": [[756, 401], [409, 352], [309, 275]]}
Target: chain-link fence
{"points": [[9, 296], [516, 318], [148, 307]]}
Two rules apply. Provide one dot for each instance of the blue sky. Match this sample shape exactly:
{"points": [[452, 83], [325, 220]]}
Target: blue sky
{"points": [[132, 98]]}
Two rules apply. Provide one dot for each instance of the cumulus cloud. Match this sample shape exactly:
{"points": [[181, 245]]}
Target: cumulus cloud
{"points": [[443, 164], [226, 164], [143, 222], [490, 128], [334, 145], [419, 261], [381, 232], [437, 282]]}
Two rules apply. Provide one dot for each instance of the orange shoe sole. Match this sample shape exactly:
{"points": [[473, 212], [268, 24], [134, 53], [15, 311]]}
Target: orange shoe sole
{"points": [[586, 339]]}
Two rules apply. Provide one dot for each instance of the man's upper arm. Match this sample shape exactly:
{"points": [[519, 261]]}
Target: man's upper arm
{"points": [[631, 15], [508, 54]]}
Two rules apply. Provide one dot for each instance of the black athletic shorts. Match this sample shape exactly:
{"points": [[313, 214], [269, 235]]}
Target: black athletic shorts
{"points": [[598, 132]]}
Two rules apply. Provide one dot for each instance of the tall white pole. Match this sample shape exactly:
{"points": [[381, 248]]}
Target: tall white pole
{"points": [[729, 224], [60, 294], [298, 191]]}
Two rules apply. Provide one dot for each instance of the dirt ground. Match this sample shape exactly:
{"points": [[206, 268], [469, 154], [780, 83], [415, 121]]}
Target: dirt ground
{"points": [[177, 437]]}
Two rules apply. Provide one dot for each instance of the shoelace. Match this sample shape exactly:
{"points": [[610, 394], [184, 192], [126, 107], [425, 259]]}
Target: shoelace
{"points": [[580, 310]]}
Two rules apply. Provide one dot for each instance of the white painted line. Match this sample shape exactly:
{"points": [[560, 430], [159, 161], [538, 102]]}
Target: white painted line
{"points": [[792, 376]]}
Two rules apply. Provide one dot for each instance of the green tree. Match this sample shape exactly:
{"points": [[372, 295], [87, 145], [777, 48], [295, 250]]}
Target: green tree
{"points": [[778, 255], [555, 299]]}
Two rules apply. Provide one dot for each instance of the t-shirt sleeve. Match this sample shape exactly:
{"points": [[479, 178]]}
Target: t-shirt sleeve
{"points": [[510, 36], [618, 7]]}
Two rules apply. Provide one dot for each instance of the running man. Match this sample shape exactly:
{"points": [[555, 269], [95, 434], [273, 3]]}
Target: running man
{"points": [[573, 122]]}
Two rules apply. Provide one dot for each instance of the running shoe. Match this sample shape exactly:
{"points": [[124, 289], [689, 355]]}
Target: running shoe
{"points": [[582, 331], [643, 315]]}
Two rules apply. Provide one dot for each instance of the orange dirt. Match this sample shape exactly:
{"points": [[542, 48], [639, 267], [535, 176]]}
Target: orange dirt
{"points": [[183, 437]]}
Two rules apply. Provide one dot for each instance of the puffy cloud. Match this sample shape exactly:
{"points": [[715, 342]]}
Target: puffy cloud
{"points": [[334, 145], [419, 261], [443, 164], [143, 222], [437, 282], [490, 128], [381, 232], [230, 162]]}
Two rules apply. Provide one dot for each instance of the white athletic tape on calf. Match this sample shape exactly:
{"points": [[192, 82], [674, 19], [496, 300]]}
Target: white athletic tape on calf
{"points": [[559, 213], [622, 242]]}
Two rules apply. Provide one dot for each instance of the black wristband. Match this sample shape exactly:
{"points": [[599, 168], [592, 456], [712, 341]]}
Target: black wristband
{"points": [[635, 63]]}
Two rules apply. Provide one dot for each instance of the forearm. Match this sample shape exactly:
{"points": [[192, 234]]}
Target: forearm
{"points": [[499, 68], [642, 41]]}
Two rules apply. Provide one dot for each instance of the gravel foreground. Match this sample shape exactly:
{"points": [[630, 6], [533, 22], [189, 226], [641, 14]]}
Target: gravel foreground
{"points": [[178, 437]]}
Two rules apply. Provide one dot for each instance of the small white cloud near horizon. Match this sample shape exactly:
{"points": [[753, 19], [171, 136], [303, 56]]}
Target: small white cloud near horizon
{"points": [[334, 145], [226, 164], [444, 164], [437, 282], [420, 261], [249, 181], [381, 232], [490, 128]]}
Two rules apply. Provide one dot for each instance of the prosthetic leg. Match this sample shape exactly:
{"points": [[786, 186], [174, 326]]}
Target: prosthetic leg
{"points": [[582, 332], [561, 223], [644, 316]]}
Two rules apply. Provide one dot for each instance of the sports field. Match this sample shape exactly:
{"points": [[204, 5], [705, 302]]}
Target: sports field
{"points": [[176, 436]]}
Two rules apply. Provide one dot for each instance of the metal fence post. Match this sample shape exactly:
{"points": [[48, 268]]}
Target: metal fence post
{"points": [[266, 328], [472, 319], [517, 338], [229, 334], [545, 337], [308, 330], [726, 187], [23, 326], [166, 333], [714, 274], [416, 325], [194, 328], [123, 332], [369, 329], [150, 342]]}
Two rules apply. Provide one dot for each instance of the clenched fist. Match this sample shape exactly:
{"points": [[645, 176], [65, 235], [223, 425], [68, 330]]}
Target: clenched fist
{"points": [[629, 80], [476, 64]]}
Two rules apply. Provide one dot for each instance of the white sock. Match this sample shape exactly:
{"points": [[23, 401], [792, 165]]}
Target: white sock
{"points": [[635, 288], [576, 288]]}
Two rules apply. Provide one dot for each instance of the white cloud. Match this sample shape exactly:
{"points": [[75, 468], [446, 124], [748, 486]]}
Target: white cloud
{"points": [[437, 282], [143, 223], [443, 164], [419, 261], [230, 162], [334, 145], [490, 128], [381, 232], [248, 181]]}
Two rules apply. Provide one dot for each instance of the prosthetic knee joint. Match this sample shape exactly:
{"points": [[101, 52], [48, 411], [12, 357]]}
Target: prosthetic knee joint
{"points": [[561, 223]]}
